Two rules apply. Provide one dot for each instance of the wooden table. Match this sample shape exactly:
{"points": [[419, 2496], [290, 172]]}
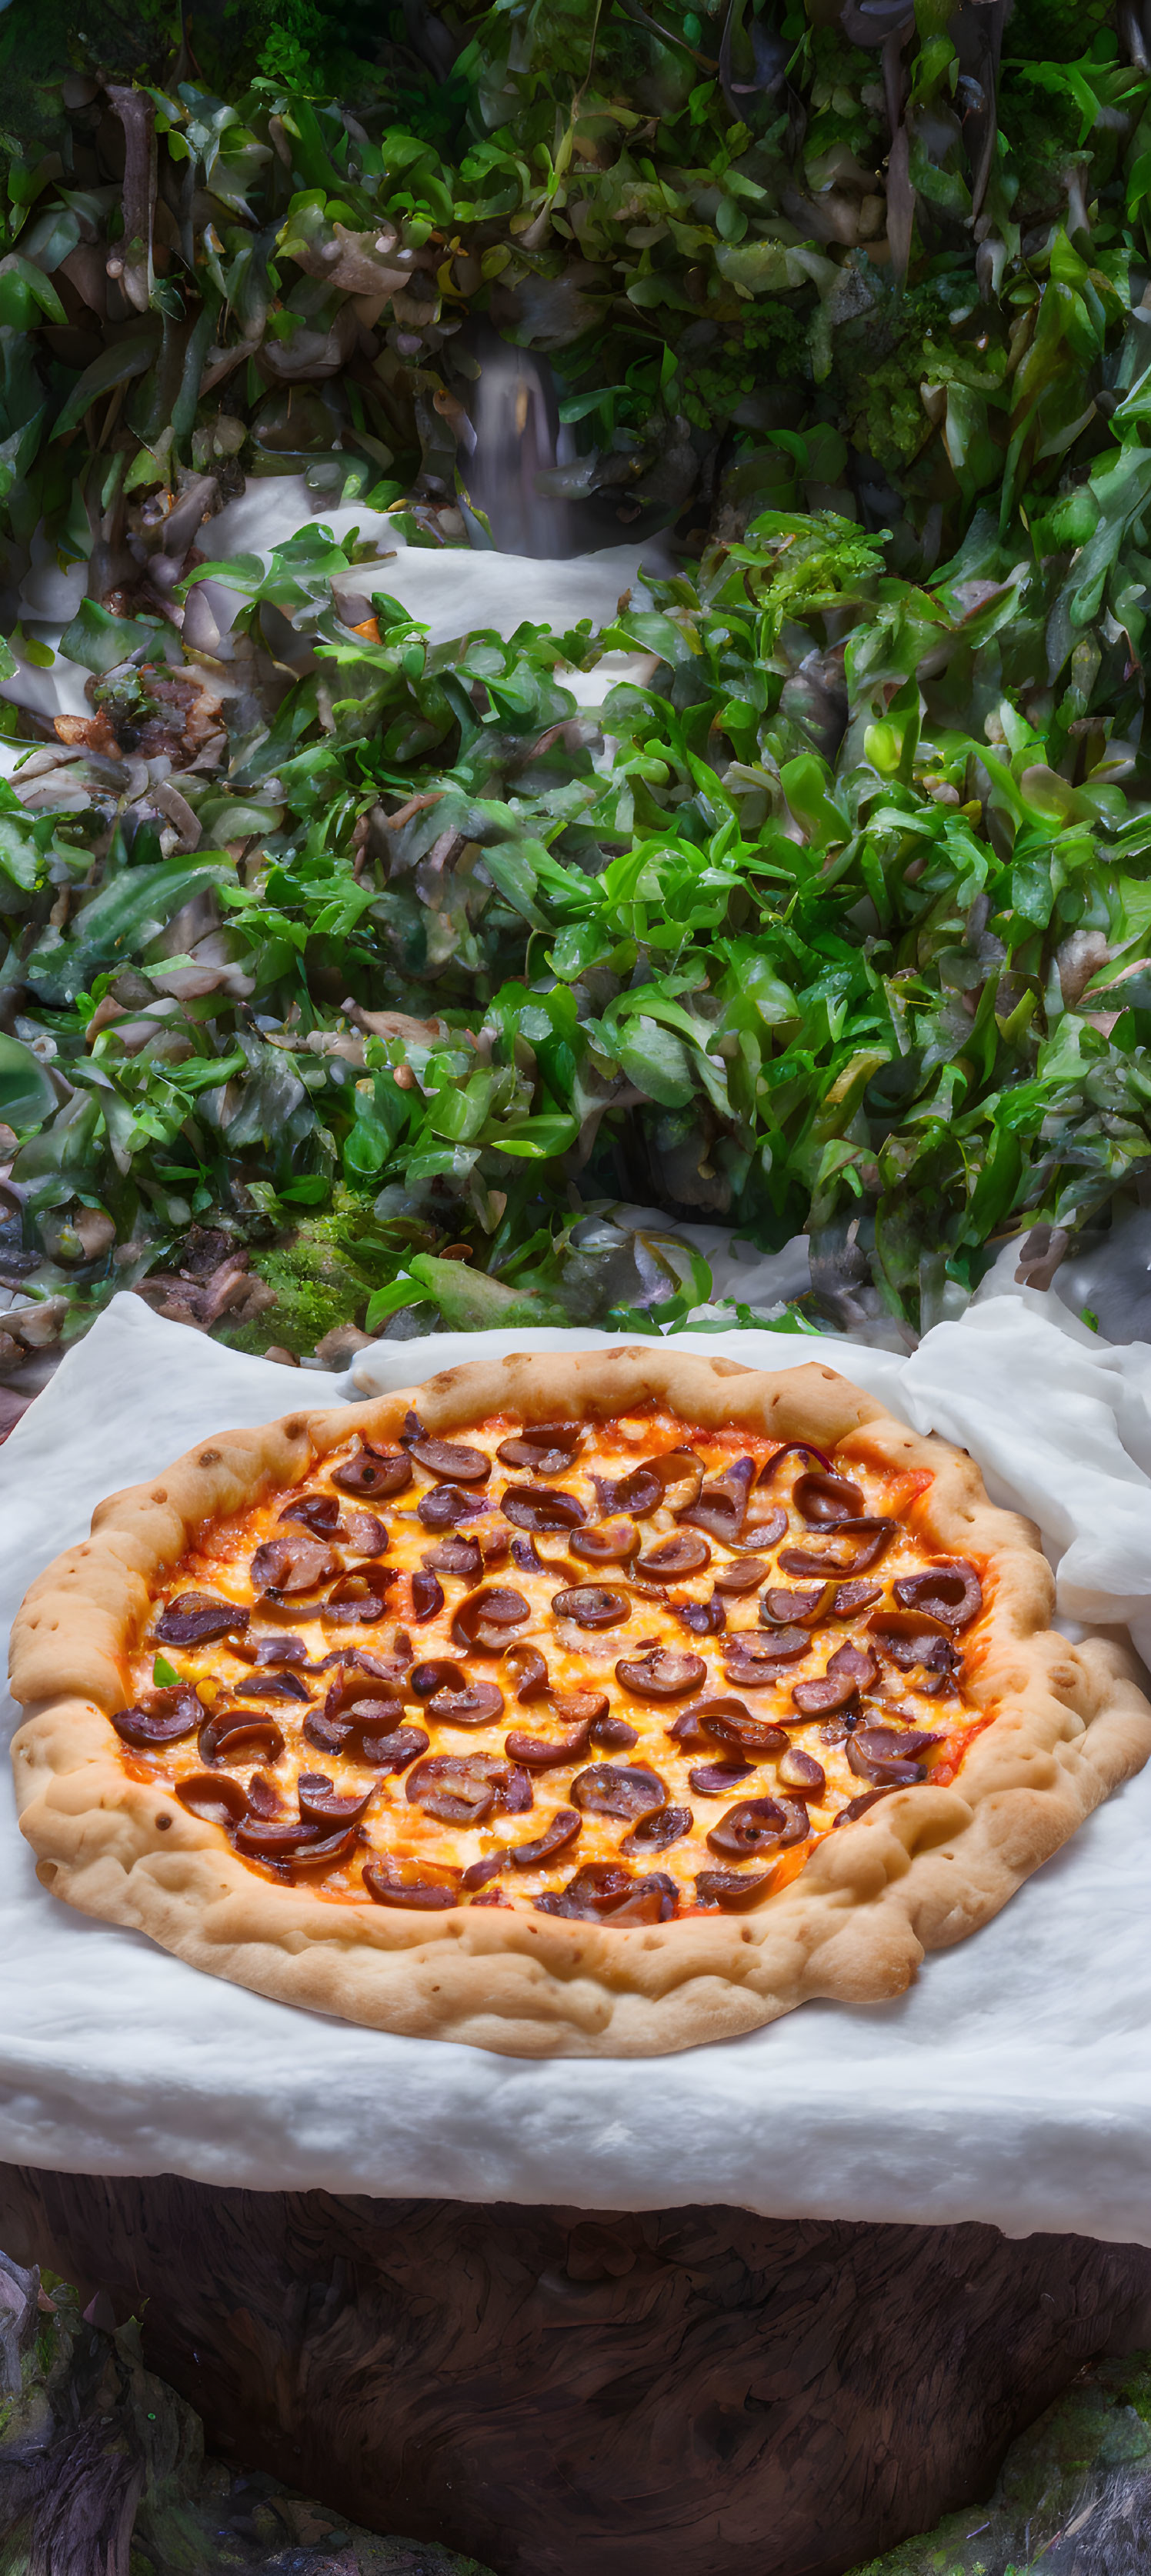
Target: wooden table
{"points": [[563, 2393]]}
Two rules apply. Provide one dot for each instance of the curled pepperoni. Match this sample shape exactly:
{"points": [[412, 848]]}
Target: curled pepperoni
{"points": [[527, 1668], [950, 1593], [364, 1533], [761, 1533], [657, 1831], [326, 1854], [760, 1650], [541, 1507], [443, 1505], [855, 1546], [485, 1621], [613, 1734], [721, 1506], [196, 1618], [718, 1779], [591, 1605], [213, 1797], [887, 1753], [455, 1555], [271, 1650], [457, 1788], [357, 1681], [613, 1789], [727, 1721], [686, 1552], [544, 1448], [320, 1804], [825, 1499], [378, 1472], [319, 1513], [801, 1772], [603, 1892], [360, 1598], [272, 1686], [851, 1598], [478, 1704], [849, 1671], [747, 1828], [661, 1674], [292, 1563], [427, 1596], [639, 1492], [745, 1575], [327, 1734], [584, 1708], [418, 1885], [607, 1543], [480, 1871], [730, 1889], [561, 1829], [238, 1734], [165, 1717], [703, 1618], [546, 1753], [453, 1466], [395, 1749], [780, 1609], [425, 1679], [686, 1731], [859, 1806], [792, 1449], [274, 1838]]}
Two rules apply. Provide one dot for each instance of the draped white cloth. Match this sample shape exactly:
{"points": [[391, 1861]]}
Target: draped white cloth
{"points": [[1012, 2084]]}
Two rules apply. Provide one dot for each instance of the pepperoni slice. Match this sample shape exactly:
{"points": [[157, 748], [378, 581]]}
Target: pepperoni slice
{"points": [[274, 1838], [851, 1598], [197, 1618], [165, 1717], [800, 1771], [591, 1605], [730, 1889], [856, 1545], [427, 1596], [745, 1575], [613, 1734], [541, 1507], [721, 1506], [453, 1466], [612, 1789], [661, 1674], [443, 1505], [686, 1552], [319, 1513], [425, 1679], [478, 1704], [950, 1593], [320, 1804], [656, 1832], [543, 1448], [527, 1668], [718, 1779], [421, 1886], [562, 1829], [761, 1533], [395, 1750], [729, 1722], [859, 1806], [781, 1609], [213, 1797], [360, 1598], [364, 1533], [457, 1788], [885, 1754], [238, 1734], [825, 1499], [606, 1543], [272, 1686], [792, 1449], [378, 1472], [752, 1826], [546, 1753], [484, 1623], [455, 1555]]}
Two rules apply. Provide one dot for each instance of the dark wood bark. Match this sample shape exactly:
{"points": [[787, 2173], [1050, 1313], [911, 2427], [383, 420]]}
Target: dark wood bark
{"points": [[562, 2393]]}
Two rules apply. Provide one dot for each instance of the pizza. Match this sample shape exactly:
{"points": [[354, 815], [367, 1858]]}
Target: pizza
{"points": [[593, 1703]]}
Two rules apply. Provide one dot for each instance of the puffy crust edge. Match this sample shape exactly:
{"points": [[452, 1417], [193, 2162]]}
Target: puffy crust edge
{"points": [[920, 1871]]}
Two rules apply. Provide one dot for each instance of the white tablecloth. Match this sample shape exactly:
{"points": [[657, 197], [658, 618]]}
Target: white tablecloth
{"points": [[1012, 2083]]}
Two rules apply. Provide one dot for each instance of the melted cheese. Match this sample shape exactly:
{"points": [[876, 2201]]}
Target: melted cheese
{"points": [[578, 1660]]}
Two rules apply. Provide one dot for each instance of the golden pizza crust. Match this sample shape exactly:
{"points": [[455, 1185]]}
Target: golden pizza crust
{"points": [[921, 1870]]}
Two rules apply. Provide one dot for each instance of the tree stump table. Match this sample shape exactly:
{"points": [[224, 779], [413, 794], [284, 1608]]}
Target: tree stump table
{"points": [[563, 2393]]}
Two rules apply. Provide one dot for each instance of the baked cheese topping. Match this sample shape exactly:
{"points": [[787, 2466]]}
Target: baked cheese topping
{"points": [[618, 1671]]}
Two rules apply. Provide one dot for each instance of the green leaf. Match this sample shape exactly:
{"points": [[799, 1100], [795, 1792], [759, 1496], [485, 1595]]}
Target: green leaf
{"points": [[657, 1062], [27, 1093], [165, 1675], [101, 642], [115, 366]]}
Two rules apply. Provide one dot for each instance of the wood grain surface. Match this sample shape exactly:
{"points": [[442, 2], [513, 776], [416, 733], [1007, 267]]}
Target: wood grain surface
{"points": [[562, 2393]]}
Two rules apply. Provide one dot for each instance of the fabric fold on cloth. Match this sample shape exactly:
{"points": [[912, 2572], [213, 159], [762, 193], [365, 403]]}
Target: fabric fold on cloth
{"points": [[1011, 2084]]}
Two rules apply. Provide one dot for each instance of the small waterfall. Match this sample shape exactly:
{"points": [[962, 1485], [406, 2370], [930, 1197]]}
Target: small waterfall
{"points": [[514, 412]]}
